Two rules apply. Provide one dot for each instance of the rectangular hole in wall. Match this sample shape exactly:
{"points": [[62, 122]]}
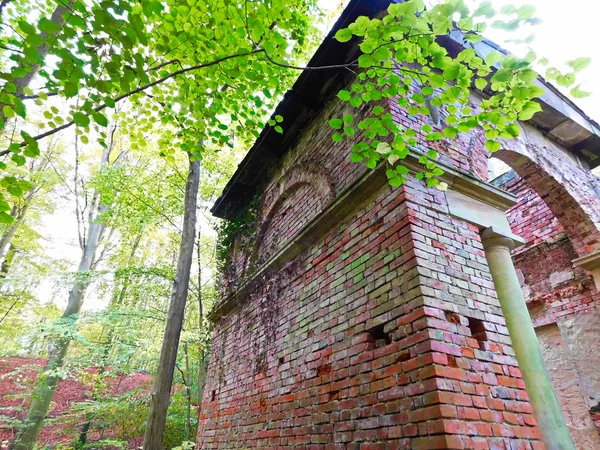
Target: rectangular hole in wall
{"points": [[213, 396], [379, 336], [478, 330]]}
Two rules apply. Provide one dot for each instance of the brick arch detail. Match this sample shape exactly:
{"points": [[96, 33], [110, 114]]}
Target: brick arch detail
{"points": [[293, 179], [567, 189]]}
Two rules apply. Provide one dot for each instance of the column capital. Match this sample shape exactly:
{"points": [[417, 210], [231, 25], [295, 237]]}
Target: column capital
{"points": [[497, 237], [590, 262]]}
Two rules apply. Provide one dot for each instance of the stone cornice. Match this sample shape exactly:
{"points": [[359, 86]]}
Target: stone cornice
{"points": [[588, 262], [356, 195]]}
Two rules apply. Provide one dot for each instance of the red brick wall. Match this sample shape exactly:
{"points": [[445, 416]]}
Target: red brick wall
{"points": [[558, 294], [296, 365], [553, 287], [294, 212], [386, 334], [530, 218], [570, 192]]}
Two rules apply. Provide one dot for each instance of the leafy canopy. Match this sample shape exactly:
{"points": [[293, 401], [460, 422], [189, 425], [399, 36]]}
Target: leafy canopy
{"points": [[202, 72], [403, 61], [199, 71]]}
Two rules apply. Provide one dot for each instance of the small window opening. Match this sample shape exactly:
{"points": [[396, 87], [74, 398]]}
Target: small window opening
{"points": [[478, 331], [213, 396], [379, 336], [281, 360]]}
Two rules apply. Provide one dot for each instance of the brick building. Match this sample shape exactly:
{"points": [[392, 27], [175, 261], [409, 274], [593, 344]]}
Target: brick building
{"points": [[355, 315]]}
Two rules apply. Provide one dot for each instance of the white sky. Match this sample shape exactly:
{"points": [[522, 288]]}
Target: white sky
{"points": [[569, 30]]}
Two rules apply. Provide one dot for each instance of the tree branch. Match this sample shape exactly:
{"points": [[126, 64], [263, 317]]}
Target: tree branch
{"points": [[142, 89]]}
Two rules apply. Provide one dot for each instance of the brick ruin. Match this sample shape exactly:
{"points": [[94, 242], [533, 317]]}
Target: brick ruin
{"points": [[355, 315]]}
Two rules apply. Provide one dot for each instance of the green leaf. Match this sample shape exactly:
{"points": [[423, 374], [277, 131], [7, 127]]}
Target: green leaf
{"points": [[356, 157], [481, 83], [8, 112], [502, 76], [365, 60], [513, 129], [47, 26], [81, 119], [6, 218], [100, 119], [337, 137], [278, 118], [356, 101], [527, 75], [493, 58], [565, 80], [14, 190], [492, 146], [26, 27], [450, 132], [343, 35], [71, 89], [451, 72], [579, 64], [344, 95], [278, 129], [526, 12], [576, 92], [18, 159], [335, 123]]}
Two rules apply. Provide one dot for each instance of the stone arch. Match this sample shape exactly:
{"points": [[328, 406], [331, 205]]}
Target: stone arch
{"points": [[294, 179], [568, 190]]}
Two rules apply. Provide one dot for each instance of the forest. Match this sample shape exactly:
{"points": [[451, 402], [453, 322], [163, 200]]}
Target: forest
{"points": [[121, 121]]}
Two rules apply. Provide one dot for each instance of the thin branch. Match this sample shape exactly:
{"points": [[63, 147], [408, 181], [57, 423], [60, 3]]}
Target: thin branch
{"points": [[289, 66], [35, 96], [11, 49], [142, 89], [160, 66]]}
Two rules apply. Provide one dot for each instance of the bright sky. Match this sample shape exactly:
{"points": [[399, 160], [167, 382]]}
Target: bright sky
{"points": [[569, 30]]}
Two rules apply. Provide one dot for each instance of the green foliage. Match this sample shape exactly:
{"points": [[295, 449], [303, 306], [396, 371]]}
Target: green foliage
{"points": [[177, 64], [402, 61]]}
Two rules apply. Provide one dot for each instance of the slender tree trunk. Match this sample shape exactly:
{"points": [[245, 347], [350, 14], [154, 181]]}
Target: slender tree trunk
{"points": [[46, 385], [58, 18], [188, 416], [116, 301], [30, 428], [10, 254], [19, 215], [163, 381]]}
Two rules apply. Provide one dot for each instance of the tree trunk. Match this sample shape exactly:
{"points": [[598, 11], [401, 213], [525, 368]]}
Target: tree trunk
{"points": [[58, 18], [19, 215], [46, 385], [163, 381], [10, 254], [188, 412], [117, 300]]}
